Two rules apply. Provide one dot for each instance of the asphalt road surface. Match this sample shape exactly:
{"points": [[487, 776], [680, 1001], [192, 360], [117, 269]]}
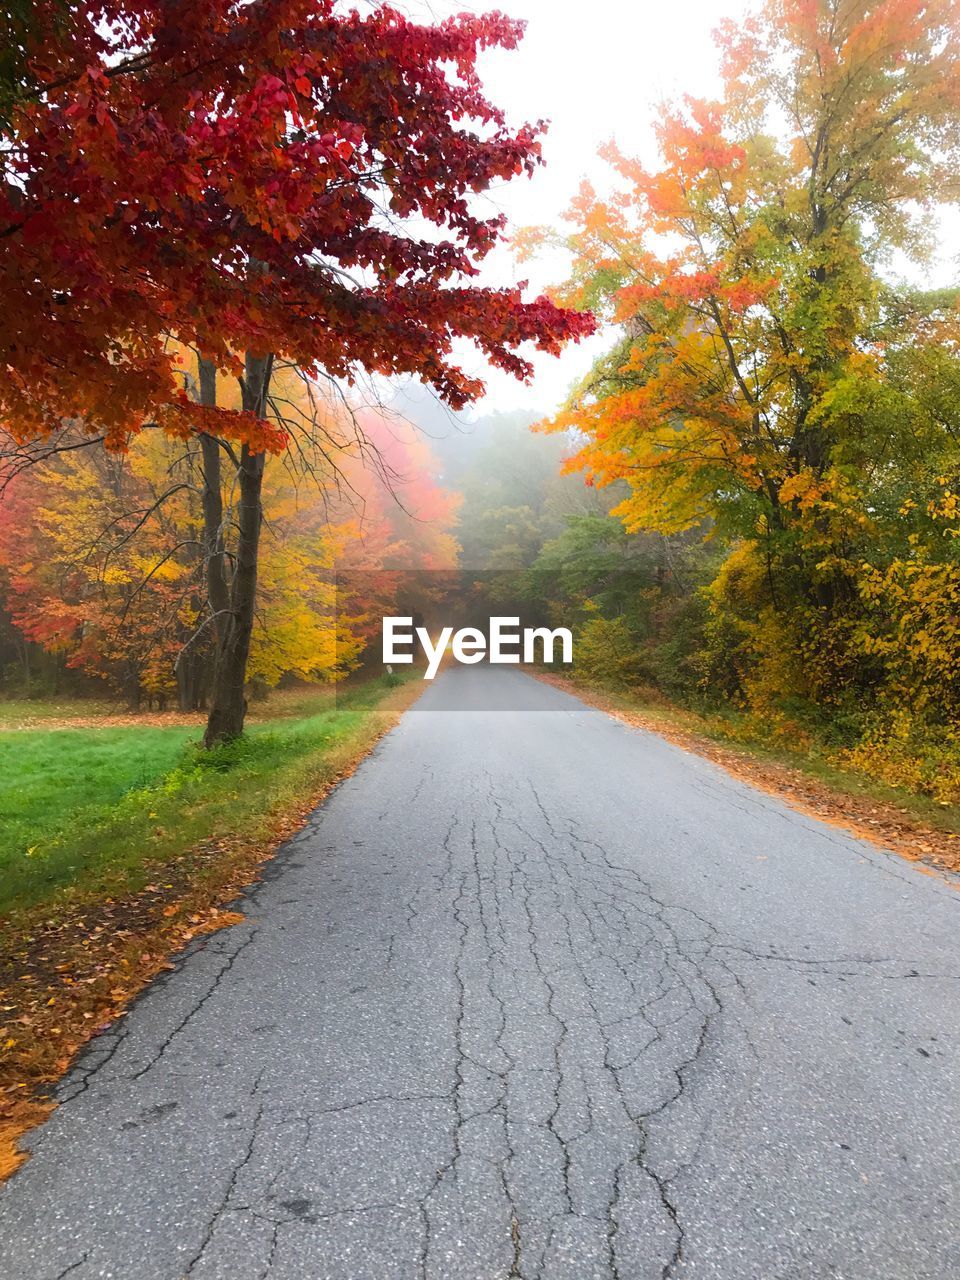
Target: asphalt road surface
{"points": [[533, 995]]}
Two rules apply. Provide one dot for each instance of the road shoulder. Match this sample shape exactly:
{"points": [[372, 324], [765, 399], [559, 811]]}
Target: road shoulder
{"points": [[884, 823]]}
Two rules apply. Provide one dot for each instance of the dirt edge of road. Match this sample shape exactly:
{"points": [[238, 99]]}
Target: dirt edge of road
{"points": [[881, 823], [66, 979]]}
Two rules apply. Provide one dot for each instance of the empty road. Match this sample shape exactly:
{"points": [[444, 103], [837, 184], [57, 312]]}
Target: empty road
{"points": [[534, 995]]}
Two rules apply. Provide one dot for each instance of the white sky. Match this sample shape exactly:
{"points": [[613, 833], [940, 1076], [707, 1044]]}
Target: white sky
{"points": [[596, 71]]}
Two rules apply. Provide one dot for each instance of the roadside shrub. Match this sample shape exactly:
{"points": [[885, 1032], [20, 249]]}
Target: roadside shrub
{"points": [[605, 652], [904, 751]]}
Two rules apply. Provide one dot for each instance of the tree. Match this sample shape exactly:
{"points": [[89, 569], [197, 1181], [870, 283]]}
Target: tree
{"points": [[101, 554], [253, 179], [743, 272], [759, 386], [506, 514]]}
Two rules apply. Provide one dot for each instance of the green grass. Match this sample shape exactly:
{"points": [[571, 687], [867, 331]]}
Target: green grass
{"points": [[90, 811], [49, 777]]}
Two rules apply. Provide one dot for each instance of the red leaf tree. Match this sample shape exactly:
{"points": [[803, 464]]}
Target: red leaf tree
{"points": [[278, 178]]}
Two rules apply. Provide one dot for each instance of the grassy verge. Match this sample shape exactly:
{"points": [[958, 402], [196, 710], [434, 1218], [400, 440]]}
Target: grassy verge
{"points": [[92, 907], [912, 825], [88, 811]]}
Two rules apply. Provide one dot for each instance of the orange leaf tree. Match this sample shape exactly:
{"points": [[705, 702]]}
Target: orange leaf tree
{"points": [[756, 388]]}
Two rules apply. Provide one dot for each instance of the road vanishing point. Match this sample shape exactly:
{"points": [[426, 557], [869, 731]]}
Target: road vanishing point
{"points": [[533, 995]]}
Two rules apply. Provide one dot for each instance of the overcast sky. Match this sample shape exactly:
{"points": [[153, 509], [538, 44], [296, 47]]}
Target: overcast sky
{"points": [[595, 70]]}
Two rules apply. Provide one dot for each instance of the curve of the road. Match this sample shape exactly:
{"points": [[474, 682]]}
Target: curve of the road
{"points": [[533, 995]]}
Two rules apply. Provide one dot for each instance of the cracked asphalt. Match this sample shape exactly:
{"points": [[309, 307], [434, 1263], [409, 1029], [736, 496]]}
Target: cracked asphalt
{"points": [[534, 995]]}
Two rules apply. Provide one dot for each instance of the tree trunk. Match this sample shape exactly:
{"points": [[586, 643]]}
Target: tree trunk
{"points": [[192, 676], [228, 706], [218, 588], [184, 682], [132, 691]]}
